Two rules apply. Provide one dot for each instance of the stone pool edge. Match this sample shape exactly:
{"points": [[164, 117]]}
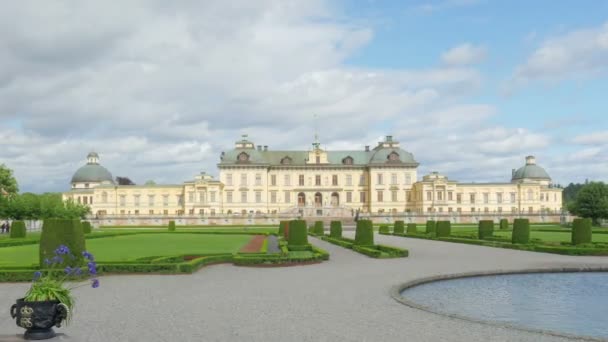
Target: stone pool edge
{"points": [[396, 290]]}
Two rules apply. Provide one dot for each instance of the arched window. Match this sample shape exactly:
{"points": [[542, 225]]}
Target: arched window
{"points": [[393, 156], [286, 160], [242, 157], [348, 160]]}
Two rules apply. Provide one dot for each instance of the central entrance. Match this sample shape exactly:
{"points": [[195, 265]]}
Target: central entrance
{"points": [[318, 200]]}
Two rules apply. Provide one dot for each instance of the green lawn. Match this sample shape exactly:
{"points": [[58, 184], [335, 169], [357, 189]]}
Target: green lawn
{"points": [[129, 247], [553, 236]]}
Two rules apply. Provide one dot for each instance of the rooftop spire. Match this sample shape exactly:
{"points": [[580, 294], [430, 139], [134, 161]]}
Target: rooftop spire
{"points": [[316, 142]]}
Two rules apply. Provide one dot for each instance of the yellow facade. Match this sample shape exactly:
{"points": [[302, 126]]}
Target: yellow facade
{"points": [[254, 180]]}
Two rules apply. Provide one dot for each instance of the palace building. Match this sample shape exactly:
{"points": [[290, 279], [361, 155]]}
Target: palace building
{"points": [[255, 180]]}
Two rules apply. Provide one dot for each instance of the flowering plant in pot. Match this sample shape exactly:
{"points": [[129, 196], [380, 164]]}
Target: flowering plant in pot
{"points": [[49, 301]]}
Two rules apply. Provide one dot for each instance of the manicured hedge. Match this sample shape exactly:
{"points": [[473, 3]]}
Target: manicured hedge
{"points": [[297, 233], [17, 229], [393, 252], [318, 228], [384, 229], [335, 229], [283, 227], [197, 263], [581, 231], [171, 226], [431, 227], [411, 228], [485, 229], [504, 223], [521, 231], [443, 228], [86, 227], [56, 232], [364, 235], [399, 227]]}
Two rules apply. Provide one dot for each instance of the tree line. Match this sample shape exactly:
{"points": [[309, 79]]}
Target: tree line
{"points": [[29, 206]]}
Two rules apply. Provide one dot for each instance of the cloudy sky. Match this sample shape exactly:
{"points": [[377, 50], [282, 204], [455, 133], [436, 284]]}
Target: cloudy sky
{"points": [[160, 89]]}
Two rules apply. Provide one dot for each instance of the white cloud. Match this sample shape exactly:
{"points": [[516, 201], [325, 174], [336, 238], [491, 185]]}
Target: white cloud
{"points": [[578, 53], [464, 54], [594, 138]]}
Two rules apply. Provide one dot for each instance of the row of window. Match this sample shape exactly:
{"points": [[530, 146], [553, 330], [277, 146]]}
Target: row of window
{"points": [[486, 210], [498, 197], [348, 180]]}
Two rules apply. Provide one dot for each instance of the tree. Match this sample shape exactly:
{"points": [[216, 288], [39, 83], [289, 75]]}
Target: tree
{"points": [[8, 183], [570, 192], [591, 202], [124, 181], [150, 182]]}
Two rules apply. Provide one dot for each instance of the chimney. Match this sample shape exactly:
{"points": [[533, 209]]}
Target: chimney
{"points": [[265, 147], [389, 138], [259, 147], [530, 160], [366, 148]]}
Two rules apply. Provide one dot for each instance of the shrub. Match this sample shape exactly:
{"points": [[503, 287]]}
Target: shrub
{"points": [[430, 227], [86, 227], [335, 229], [282, 227], [485, 229], [521, 231], [368, 250], [399, 227], [443, 228], [18, 229], [318, 228], [384, 229], [411, 228], [297, 233], [56, 232], [171, 226], [364, 235], [581, 231], [504, 224]]}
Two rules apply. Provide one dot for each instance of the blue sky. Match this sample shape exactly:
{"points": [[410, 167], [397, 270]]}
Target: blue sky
{"points": [[470, 87]]}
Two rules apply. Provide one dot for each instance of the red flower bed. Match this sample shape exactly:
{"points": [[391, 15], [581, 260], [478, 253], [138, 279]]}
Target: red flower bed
{"points": [[254, 245]]}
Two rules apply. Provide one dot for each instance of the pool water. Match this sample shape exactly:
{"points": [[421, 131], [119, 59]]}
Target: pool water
{"points": [[571, 303]]}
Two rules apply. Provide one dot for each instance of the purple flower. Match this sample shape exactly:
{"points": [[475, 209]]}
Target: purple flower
{"points": [[92, 267], [88, 255], [37, 275], [68, 270], [77, 271], [62, 249], [57, 259], [95, 283], [47, 261]]}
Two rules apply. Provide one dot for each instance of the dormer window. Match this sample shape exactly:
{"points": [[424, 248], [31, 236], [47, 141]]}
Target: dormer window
{"points": [[286, 160], [347, 161], [243, 157], [393, 156]]}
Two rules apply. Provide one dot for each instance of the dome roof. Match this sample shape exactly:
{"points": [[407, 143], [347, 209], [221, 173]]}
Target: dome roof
{"points": [[531, 171], [92, 172]]}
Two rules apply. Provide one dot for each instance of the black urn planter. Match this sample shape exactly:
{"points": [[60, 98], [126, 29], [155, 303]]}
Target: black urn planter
{"points": [[38, 318]]}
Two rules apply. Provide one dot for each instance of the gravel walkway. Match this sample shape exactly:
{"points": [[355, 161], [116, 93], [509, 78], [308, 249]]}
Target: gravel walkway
{"points": [[273, 244], [344, 299]]}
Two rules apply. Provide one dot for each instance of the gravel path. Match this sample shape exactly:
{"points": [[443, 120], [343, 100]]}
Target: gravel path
{"points": [[344, 299], [273, 244]]}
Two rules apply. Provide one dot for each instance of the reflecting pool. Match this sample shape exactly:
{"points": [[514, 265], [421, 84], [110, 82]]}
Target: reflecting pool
{"points": [[571, 303]]}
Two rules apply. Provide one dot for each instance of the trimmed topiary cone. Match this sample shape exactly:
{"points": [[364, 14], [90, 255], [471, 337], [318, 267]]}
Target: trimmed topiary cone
{"points": [[581, 231], [335, 229], [171, 226], [17, 229], [282, 225], [297, 233], [56, 232], [411, 228], [443, 228], [384, 229], [364, 235], [521, 231], [86, 227], [318, 228], [485, 229], [504, 224], [431, 227], [399, 227]]}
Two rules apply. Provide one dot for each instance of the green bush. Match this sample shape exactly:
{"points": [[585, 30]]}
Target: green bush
{"points": [[384, 229], [17, 229], [56, 232], [364, 235], [283, 226], [581, 231], [318, 228], [171, 226], [521, 231], [393, 251], [443, 228], [340, 242], [86, 227], [370, 251], [297, 233], [399, 227], [431, 227], [485, 229], [504, 223], [411, 228], [335, 229]]}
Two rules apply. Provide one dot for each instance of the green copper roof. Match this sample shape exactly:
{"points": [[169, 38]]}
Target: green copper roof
{"points": [[531, 171], [92, 173]]}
